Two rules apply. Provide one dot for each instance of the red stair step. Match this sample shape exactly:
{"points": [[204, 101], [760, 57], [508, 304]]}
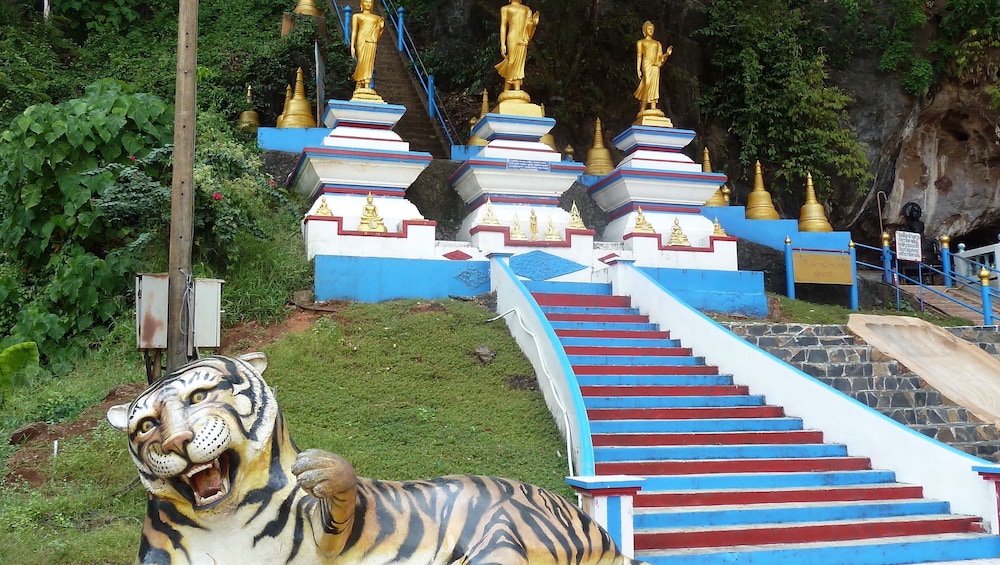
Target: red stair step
{"points": [[806, 532], [734, 497], [645, 369], [702, 466], [610, 351], [596, 318], [766, 411], [710, 438], [633, 334], [664, 390]]}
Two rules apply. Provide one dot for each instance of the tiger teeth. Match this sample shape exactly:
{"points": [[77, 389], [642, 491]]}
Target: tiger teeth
{"points": [[197, 470]]}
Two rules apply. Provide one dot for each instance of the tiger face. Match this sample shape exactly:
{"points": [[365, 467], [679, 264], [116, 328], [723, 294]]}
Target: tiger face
{"points": [[192, 433]]}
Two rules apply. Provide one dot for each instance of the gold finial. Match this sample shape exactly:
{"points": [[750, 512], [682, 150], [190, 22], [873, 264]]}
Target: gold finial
{"points": [[517, 28], [984, 276], [490, 217], [547, 139], [370, 220], [717, 230], [516, 233], [299, 113], [885, 239], [812, 216], [599, 157], [706, 161], [726, 193], [249, 120], [718, 198], [284, 111], [759, 205], [575, 221], [485, 109], [642, 225], [850, 244], [945, 242], [533, 224], [788, 240], [324, 208], [677, 237], [307, 8], [550, 232], [570, 153]]}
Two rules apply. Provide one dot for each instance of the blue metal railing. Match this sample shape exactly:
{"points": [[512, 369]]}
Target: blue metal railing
{"points": [[405, 44], [966, 273]]}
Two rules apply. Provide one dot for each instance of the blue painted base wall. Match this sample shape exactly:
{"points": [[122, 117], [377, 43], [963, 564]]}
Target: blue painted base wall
{"points": [[373, 279], [729, 292]]}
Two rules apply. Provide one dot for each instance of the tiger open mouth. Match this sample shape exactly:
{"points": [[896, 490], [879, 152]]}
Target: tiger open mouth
{"points": [[209, 482]]}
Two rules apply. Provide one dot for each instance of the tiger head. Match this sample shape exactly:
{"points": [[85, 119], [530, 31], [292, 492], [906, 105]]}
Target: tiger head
{"points": [[192, 431]]}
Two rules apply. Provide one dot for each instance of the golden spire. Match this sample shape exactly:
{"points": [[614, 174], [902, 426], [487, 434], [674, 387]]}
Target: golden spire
{"points": [[324, 208], [490, 217], [307, 8], [570, 153], [288, 100], [677, 237], [486, 104], [550, 232], [547, 139], [249, 120], [718, 198], [598, 158], [516, 233], [812, 216], [299, 113], [759, 205], [642, 225], [726, 192], [475, 140], [575, 221], [370, 220], [717, 229]]}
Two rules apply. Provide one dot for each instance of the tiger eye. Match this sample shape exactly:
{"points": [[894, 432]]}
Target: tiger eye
{"points": [[199, 396], [146, 426]]}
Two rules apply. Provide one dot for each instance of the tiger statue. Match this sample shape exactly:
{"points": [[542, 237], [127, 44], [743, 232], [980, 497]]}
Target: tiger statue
{"points": [[227, 486]]}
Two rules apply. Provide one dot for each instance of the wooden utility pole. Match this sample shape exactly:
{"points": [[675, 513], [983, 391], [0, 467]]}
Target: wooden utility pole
{"points": [[179, 276]]}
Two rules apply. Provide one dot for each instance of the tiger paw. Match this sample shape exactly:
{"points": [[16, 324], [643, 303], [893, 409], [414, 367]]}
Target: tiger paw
{"points": [[325, 475]]}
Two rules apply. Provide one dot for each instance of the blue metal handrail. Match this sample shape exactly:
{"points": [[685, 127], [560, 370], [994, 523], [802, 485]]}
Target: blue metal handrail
{"points": [[892, 274], [405, 44]]}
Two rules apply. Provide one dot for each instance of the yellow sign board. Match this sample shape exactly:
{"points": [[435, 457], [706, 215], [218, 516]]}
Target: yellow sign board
{"points": [[822, 268]]}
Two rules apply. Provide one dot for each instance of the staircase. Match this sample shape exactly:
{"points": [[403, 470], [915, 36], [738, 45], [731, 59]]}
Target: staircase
{"points": [[831, 354], [396, 85], [731, 479]]}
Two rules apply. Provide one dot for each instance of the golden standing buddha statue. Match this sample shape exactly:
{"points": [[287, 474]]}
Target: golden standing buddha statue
{"points": [[517, 27], [366, 29], [649, 57]]}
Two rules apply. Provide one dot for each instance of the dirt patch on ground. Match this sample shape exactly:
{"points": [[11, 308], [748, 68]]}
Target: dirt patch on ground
{"points": [[29, 464]]}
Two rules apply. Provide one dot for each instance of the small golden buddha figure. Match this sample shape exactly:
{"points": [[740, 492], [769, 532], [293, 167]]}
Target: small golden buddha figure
{"points": [[642, 225], [649, 57], [516, 233], [533, 224], [366, 29], [575, 221], [324, 208], [551, 234], [370, 220], [517, 27], [717, 229], [677, 236], [490, 216]]}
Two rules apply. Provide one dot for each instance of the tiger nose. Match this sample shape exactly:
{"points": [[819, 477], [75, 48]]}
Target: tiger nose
{"points": [[177, 441]]}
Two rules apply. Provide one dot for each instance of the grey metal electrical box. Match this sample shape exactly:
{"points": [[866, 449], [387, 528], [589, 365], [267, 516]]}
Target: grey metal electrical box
{"points": [[151, 312]]}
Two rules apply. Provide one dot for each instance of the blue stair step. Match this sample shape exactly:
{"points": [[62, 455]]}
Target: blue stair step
{"points": [[654, 380], [694, 425], [702, 452], [671, 401]]}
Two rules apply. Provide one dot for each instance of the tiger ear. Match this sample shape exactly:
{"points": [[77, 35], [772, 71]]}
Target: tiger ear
{"points": [[256, 360], [118, 417]]}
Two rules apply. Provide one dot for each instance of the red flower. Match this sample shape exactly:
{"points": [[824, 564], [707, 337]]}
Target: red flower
{"points": [[132, 158], [216, 196]]}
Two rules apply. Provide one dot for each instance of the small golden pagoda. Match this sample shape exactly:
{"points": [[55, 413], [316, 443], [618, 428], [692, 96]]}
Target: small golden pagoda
{"points": [[759, 205], [575, 221], [550, 232], [812, 216], [299, 112], [677, 237], [718, 198], [370, 220], [284, 110], [249, 120], [548, 139], [599, 157], [475, 140], [642, 225], [307, 8]]}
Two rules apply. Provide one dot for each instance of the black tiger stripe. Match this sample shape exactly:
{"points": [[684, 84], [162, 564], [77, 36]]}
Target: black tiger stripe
{"points": [[277, 475], [360, 521], [274, 528]]}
